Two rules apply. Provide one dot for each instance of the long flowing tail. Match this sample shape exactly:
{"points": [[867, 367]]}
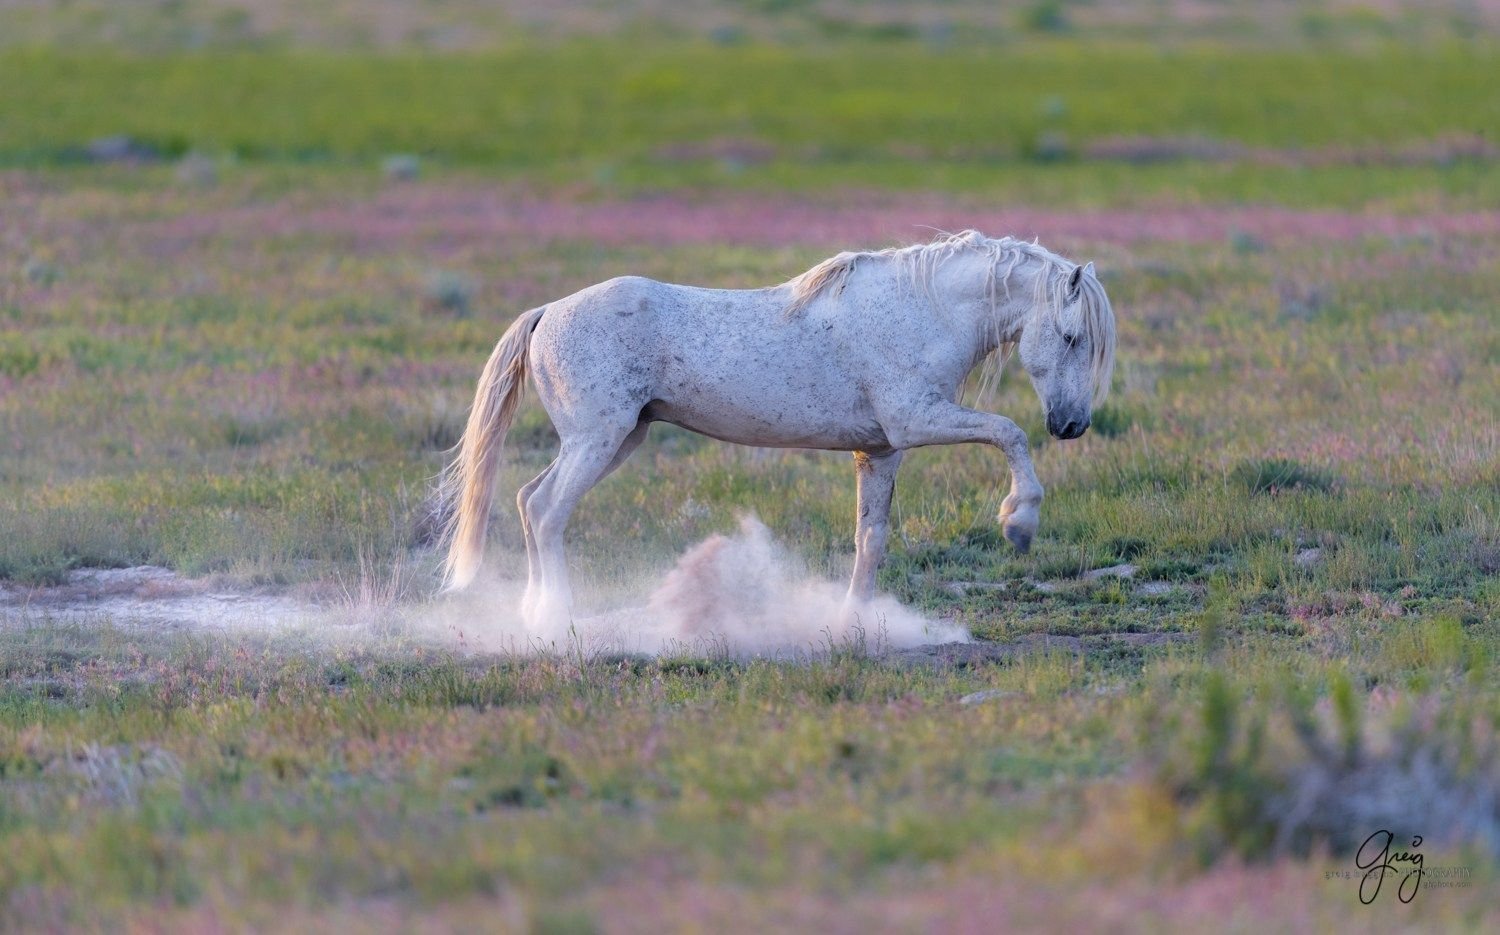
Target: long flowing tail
{"points": [[468, 483]]}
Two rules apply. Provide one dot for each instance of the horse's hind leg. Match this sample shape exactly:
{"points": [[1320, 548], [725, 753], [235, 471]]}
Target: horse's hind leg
{"points": [[582, 463], [525, 508], [523, 502]]}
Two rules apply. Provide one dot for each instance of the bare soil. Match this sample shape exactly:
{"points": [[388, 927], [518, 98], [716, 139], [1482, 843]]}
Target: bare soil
{"points": [[152, 597]]}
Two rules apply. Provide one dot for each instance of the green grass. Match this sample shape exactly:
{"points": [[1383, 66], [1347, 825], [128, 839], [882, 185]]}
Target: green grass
{"points": [[275, 421], [280, 417], [215, 779], [857, 114]]}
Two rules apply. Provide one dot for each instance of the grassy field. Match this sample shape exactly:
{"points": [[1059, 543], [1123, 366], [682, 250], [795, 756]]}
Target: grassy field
{"points": [[383, 25], [1051, 122], [241, 350]]}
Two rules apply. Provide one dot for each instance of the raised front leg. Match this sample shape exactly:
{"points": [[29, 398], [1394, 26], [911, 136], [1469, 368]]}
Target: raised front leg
{"points": [[948, 423], [876, 484]]}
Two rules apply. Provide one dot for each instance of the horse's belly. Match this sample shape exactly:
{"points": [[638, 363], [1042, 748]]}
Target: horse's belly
{"points": [[718, 362], [772, 426]]}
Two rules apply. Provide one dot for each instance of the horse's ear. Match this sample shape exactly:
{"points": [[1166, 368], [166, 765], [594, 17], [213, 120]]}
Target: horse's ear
{"points": [[1088, 269], [1075, 280]]}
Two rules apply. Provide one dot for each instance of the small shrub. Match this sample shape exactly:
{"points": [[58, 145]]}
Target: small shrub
{"points": [[983, 537], [526, 778], [1045, 16], [1485, 554], [435, 424], [1301, 301], [250, 431], [1124, 548], [1111, 421], [1245, 243], [1170, 568], [1261, 771], [18, 360], [727, 35], [564, 921], [401, 168], [1067, 565], [1051, 146], [121, 148], [1054, 107], [1273, 475], [197, 170], [1430, 647], [41, 273], [450, 292]]}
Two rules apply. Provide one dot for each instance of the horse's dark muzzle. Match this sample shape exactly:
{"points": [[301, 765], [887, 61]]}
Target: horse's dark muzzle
{"points": [[1067, 428]]}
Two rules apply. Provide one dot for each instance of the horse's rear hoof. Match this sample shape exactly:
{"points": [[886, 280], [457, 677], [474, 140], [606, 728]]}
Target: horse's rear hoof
{"points": [[1021, 540]]}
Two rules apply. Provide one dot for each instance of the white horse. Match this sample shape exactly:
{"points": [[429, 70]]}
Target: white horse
{"points": [[865, 352]]}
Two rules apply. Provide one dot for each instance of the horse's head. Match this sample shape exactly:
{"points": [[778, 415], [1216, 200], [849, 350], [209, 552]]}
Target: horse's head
{"points": [[1068, 349]]}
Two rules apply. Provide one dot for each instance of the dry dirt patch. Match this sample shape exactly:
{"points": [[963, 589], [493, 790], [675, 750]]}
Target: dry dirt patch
{"points": [[154, 597]]}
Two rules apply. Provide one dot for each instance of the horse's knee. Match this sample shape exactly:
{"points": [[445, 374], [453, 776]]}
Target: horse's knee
{"points": [[1010, 438]]}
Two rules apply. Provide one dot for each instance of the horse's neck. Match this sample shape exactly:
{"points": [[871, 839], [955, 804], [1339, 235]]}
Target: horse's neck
{"points": [[994, 315]]}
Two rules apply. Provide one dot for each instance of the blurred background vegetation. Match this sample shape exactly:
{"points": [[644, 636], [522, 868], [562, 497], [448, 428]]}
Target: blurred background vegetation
{"points": [[449, 25], [1085, 102]]}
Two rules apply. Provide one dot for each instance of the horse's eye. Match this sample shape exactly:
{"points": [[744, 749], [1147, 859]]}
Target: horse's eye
{"points": [[1071, 340]]}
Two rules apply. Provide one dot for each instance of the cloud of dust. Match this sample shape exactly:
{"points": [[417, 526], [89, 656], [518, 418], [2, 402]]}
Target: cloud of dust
{"points": [[739, 595], [734, 595]]}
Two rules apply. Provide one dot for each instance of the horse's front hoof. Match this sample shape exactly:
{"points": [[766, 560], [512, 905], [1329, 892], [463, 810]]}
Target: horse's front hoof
{"points": [[1018, 520], [1020, 538]]}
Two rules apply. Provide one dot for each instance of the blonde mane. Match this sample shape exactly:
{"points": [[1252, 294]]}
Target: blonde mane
{"points": [[921, 262]]}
